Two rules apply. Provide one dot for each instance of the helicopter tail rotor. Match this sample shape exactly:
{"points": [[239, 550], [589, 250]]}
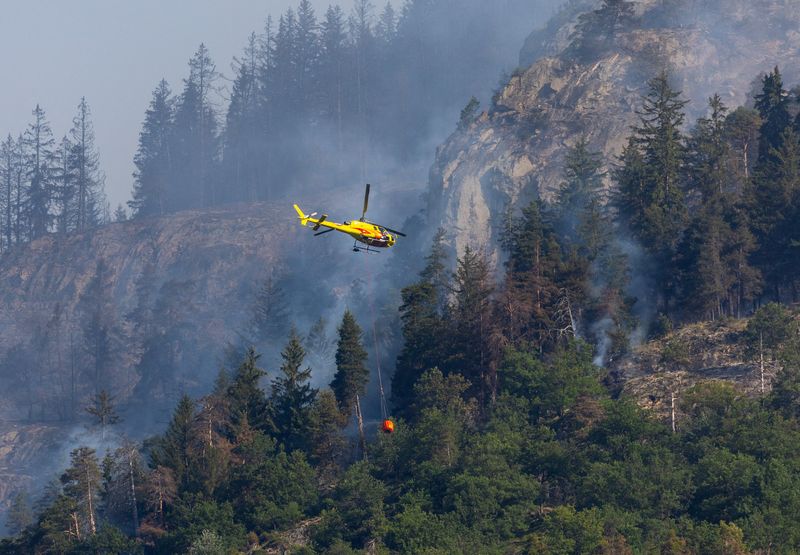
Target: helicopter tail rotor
{"points": [[319, 222]]}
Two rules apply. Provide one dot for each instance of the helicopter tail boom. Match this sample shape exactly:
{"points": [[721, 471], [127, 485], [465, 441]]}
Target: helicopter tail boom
{"points": [[303, 217]]}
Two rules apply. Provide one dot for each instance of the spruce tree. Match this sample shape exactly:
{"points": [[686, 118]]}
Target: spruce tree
{"points": [[153, 158], [64, 188], [248, 403], [581, 187], [8, 160], [650, 198], [293, 397], [39, 154], [85, 167], [350, 379], [773, 106], [172, 449], [422, 322]]}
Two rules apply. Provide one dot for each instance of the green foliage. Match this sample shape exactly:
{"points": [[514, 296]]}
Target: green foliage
{"points": [[358, 514], [293, 397], [192, 516], [247, 400], [351, 372], [468, 113], [551, 387]]}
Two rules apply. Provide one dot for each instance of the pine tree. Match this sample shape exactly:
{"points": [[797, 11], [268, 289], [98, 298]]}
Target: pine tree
{"points": [[153, 159], [293, 397], [581, 187], [248, 403], [39, 145], [124, 478], [421, 316], [102, 409], [651, 200], [172, 449], [352, 374], [194, 147], [85, 167], [307, 50], [772, 104], [326, 421], [270, 312], [527, 303], [332, 68], [472, 326], [8, 161], [82, 484], [64, 187], [243, 144]]}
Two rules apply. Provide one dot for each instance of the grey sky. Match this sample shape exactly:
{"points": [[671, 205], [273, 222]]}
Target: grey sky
{"points": [[113, 53]]}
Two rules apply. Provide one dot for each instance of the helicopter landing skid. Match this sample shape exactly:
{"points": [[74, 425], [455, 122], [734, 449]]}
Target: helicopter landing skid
{"points": [[358, 248]]}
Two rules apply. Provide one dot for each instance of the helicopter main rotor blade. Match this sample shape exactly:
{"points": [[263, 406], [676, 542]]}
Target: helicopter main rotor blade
{"points": [[319, 222], [323, 232], [400, 233], [366, 202]]}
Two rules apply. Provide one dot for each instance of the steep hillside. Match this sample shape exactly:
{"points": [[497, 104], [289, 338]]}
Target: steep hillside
{"points": [[514, 150], [220, 255]]}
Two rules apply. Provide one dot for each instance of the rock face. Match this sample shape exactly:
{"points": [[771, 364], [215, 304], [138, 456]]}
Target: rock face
{"points": [[514, 151], [222, 254]]}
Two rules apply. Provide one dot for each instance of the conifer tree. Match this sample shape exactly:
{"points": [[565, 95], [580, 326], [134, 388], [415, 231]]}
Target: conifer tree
{"points": [[472, 326], [172, 449], [242, 140], [64, 187], [651, 200], [8, 161], [581, 187], [326, 421], [153, 159], [332, 68], [39, 154], [270, 312], [85, 167], [772, 104], [82, 484], [248, 403], [102, 409], [350, 379], [293, 397], [422, 322]]}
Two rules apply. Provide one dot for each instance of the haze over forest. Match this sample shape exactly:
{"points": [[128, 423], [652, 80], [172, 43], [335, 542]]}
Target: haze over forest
{"points": [[585, 339]]}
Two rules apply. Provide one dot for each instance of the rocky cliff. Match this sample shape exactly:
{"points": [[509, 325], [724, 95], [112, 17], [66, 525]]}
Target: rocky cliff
{"points": [[514, 151]]}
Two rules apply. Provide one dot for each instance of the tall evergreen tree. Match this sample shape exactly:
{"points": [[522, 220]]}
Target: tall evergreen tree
{"points": [[651, 200], [172, 449], [248, 403], [350, 379], [195, 141], [293, 397], [422, 322], [581, 187], [39, 152], [84, 163], [82, 484], [470, 351], [242, 140], [102, 409], [773, 106], [8, 161], [153, 157]]}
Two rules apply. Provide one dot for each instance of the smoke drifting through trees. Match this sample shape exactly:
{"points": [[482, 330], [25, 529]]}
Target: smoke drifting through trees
{"points": [[364, 94]]}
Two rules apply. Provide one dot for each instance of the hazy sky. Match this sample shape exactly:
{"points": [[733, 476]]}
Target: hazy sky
{"points": [[114, 52]]}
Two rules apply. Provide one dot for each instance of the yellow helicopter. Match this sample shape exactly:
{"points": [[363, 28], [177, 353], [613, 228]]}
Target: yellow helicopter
{"points": [[371, 234]]}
